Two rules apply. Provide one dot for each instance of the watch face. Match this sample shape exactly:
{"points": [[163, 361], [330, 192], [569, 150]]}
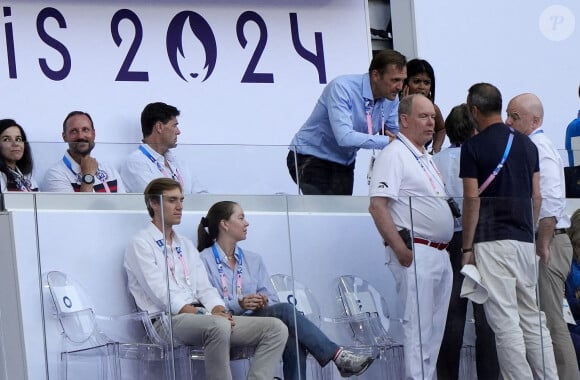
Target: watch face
{"points": [[89, 178]]}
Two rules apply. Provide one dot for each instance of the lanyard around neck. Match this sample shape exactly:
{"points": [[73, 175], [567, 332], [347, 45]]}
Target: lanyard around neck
{"points": [[239, 254], [22, 183], [368, 111], [179, 252], [162, 168], [432, 180], [100, 174], [495, 171]]}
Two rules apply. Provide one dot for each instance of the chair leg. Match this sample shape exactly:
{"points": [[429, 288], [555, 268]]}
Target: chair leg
{"points": [[467, 368], [113, 350], [63, 366]]}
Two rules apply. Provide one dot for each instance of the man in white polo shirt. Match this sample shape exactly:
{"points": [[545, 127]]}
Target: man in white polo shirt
{"points": [[154, 158], [410, 209], [78, 171], [525, 113]]}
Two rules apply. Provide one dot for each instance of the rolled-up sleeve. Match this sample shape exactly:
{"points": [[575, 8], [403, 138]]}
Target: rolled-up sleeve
{"points": [[551, 184]]}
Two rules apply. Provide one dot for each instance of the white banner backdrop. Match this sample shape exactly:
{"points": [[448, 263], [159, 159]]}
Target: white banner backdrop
{"points": [[518, 45], [240, 72]]}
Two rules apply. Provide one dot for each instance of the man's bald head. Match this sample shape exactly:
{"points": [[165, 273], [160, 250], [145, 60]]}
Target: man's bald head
{"points": [[525, 113]]}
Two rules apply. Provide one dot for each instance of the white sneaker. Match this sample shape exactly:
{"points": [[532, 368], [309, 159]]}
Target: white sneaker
{"points": [[351, 364]]}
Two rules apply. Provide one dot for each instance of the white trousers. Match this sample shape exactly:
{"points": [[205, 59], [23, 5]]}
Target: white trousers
{"points": [[423, 289], [509, 270]]}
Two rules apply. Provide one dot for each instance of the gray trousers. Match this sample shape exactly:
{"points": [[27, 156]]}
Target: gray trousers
{"points": [[551, 290], [215, 333]]}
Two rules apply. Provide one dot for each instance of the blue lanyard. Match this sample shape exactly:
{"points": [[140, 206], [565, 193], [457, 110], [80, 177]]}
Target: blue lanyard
{"points": [[176, 176], [240, 268], [100, 174], [505, 153], [69, 166], [148, 155], [495, 171]]}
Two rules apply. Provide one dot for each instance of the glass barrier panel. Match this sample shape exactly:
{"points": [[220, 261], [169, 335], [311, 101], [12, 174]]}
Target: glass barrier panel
{"points": [[215, 169], [332, 238], [323, 254], [92, 324]]}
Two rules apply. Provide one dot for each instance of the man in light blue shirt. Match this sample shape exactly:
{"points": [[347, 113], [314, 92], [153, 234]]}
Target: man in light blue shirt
{"points": [[353, 112]]}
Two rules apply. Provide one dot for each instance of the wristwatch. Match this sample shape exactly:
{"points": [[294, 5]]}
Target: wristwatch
{"points": [[465, 250], [88, 179]]}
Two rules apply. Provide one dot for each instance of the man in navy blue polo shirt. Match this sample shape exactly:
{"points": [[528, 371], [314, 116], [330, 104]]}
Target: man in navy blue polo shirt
{"points": [[501, 189]]}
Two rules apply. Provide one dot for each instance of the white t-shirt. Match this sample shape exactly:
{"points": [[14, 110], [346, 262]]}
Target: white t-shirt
{"points": [[64, 179], [412, 182]]}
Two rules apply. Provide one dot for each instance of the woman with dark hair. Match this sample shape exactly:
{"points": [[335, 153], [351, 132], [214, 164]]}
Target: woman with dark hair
{"points": [[15, 158], [243, 281], [421, 79]]}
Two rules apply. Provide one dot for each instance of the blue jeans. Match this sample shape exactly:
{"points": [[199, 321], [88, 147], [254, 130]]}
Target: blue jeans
{"points": [[310, 339]]}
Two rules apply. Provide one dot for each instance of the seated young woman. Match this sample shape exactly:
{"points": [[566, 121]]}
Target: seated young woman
{"points": [[243, 281]]}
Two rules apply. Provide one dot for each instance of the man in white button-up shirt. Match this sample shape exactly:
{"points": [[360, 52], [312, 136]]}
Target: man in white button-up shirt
{"points": [[155, 158], [525, 113], [198, 314]]}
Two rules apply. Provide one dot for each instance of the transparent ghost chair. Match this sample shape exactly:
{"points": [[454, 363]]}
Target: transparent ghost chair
{"points": [[86, 348], [361, 299], [294, 292], [467, 367]]}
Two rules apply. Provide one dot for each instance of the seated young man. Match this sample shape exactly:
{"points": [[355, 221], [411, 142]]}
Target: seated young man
{"points": [[198, 314]]}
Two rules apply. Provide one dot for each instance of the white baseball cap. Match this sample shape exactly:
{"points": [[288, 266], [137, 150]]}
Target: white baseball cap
{"points": [[472, 287]]}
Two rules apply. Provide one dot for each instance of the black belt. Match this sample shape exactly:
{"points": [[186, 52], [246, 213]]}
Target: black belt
{"points": [[557, 231]]}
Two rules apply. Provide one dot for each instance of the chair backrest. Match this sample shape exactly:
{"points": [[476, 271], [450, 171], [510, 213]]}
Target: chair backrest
{"points": [[294, 292], [359, 297], [73, 308]]}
